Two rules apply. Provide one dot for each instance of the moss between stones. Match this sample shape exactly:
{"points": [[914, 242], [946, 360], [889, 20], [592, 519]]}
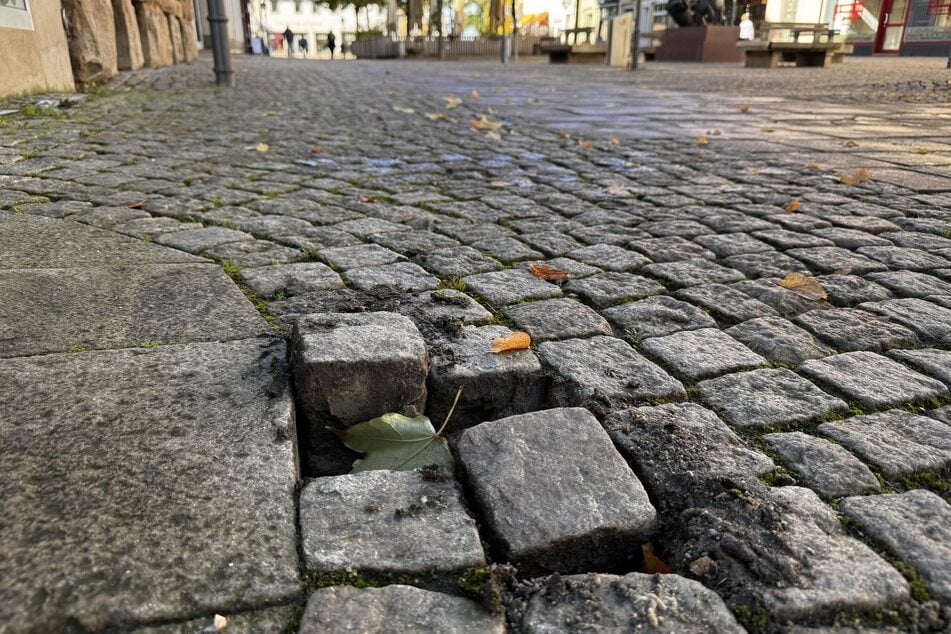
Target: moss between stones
{"points": [[753, 619]]}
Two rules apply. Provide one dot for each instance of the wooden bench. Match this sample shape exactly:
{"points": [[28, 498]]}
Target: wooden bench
{"points": [[809, 45], [574, 53]]}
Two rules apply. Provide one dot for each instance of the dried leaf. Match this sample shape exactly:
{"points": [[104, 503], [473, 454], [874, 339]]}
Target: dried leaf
{"points": [[792, 206], [452, 102], [804, 286], [515, 341], [814, 166], [920, 150], [842, 272], [262, 147], [316, 149], [365, 199], [585, 144], [438, 116], [768, 130], [133, 204], [702, 140], [492, 134], [548, 273], [220, 622], [858, 176], [492, 111], [474, 94], [617, 190], [485, 124], [395, 442], [403, 110], [652, 563], [850, 144], [564, 135], [614, 141], [716, 133], [532, 100], [744, 109]]}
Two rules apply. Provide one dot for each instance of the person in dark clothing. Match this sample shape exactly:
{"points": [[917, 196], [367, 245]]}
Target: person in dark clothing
{"points": [[289, 41], [302, 46], [331, 44]]}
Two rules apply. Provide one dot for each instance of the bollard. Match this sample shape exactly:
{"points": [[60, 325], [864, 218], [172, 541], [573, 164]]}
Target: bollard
{"points": [[219, 44]]}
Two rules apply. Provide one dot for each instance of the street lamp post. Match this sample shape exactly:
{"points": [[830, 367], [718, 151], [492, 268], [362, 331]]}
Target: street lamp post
{"points": [[219, 44], [635, 34]]}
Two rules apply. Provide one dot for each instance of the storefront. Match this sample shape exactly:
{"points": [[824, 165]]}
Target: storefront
{"points": [[902, 27]]}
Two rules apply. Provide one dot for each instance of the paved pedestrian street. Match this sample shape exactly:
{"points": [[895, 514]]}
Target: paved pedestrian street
{"points": [[734, 413]]}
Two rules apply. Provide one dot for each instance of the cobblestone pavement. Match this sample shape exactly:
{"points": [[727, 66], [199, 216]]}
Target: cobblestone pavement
{"points": [[783, 448]]}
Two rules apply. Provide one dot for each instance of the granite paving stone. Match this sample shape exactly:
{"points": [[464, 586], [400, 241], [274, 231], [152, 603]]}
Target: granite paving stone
{"points": [[852, 329], [562, 318], [763, 398], [507, 250], [672, 249], [413, 243], [932, 323], [784, 239], [692, 272], [784, 301], [764, 264], [200, 240], [657, 316], [851, 290], [291, 279], [609, 257], [100, 477], [143, 228], [932, 361], [698, 354], [551, 243], [831, 259], [825, 467], [345, 258], [573, 268], [904, 258], [263, 621], [457, 261], [731, 244], [517, 467], [899, 443], [390, 522], [510, 286], [405, 276], [251, 253], [916, 526], [608, 289], [394, 608], [727, 304], [851, 238], [911, 283]]}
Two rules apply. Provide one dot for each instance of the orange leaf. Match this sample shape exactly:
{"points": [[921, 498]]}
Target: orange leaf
{"points": [[316, 149], [804, 286], [365, 199], [584, 144], [702, 140], [133, 204], [614, 140], [474, 94], [792, 206], [850, 144], [858, 176], [744, 109], [515, 341], [652, 563], [484, 124], [549, 273]]}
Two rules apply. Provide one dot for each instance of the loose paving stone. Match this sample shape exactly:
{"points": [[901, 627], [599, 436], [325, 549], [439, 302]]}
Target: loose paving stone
{"points": [[726, 303], [394, 609], [264, 621], [557, 319], [831, 259], [826, 468], [200, 240], [932, 323], [698, 354], [779, 340], [349, 368], [604, 373], [495, 385], [518, 467], [873, 380], [631, 603], [764, 264], [767, 397], [291, 279], [609, 257], [692, 272], [359, 256], [897, 442], [931, 361], [657, 316], [916, 526], [852, 329], [667, 442], [607, 289], [404, 276], [784, 301], [849, 290], [36, 242], [672, 249], [911, 284], [732, 244], [93, 461], [905, 258], [388, 522], [457, 261], [63, 310], [510, 286], [255, 253]]}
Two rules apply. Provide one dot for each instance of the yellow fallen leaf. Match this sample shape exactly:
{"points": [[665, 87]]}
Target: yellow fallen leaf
{"points": [[438, 116], [744, 109], [564, 135], [403, 110], [515, 341], [858, 176], [715, 133], [652, 563], [220, 622], [850, 144], [614, 140], [485, 124], [792, 206], [452, 102], [492, 111], [702, 140], [920, 150], [548, 273], [262, 147], [585, 144], [814, 166], [474, 94], [532, 100], [804, 286], [768, 130], [492, 134], [316, 149]]}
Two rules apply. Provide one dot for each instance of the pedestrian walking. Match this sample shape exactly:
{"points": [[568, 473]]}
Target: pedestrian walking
{"points": [[331, 43], [302, 46], [289, 41]]}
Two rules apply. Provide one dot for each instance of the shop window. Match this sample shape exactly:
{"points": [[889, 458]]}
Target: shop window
{"points": [[928, 21], [857, 19]]}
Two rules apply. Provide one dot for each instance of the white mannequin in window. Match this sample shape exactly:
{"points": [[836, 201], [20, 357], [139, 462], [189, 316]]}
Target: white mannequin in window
{"points": [[746, 27]]}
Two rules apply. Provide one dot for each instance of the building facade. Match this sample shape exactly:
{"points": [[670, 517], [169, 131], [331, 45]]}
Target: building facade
{"points": [[33, 48], [312, 21]]}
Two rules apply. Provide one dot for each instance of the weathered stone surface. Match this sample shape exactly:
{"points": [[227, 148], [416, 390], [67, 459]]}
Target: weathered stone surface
{"points": [[200, 240], [911, 284], [905, 258], [767, 397], [189, 43], [398, 522], [675, 442], [92, 40], [351, 367], [673, 248], [779, 340], [726, 303], [849, 290], [395, 608], [603, 373], [852, 329], [175, 34], [897, 442], [291, 279], [539, 481], [359, 256], [458, 261], [932, 361], [264, 621], [764, 264], [37, 242], [632, 603], [609, 257], [249, 253], [782, 300], [494, 385], [60, 310], [830, 259], [607, 289], [826, 468], [557, 319], [153, 32], [732, 244], [125, 506], [692, 272], [404, 276], [128, 41], [932, 323], [657, 316], [916, 526], [872, 379], [510, 286], [697, 354]]}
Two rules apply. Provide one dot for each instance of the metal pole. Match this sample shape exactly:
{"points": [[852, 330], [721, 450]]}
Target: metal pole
{"points": [[635, 34], [219, 44], [515, 34], [949, 58]]}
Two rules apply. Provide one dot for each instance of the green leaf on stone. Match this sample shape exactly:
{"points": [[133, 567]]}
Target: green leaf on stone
{"points": [[396, 442]]}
